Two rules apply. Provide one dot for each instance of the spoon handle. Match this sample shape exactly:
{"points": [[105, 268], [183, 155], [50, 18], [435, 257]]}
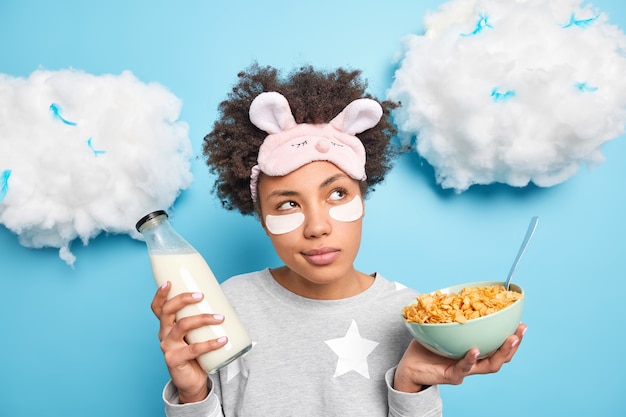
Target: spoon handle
{"points": [[529, 234]]}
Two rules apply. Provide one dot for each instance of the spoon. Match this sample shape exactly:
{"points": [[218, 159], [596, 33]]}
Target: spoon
{"points": [[531, 229]]}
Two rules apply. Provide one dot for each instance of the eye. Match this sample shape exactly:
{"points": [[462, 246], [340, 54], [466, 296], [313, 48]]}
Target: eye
{"points": [[338, 194], [287, 205]]}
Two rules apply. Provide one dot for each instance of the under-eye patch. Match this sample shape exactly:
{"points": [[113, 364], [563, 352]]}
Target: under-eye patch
{"points": [[284, 223], [348, 212]]}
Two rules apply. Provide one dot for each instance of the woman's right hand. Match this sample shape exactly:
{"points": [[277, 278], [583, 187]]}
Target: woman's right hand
{"points": [[180, 357]]}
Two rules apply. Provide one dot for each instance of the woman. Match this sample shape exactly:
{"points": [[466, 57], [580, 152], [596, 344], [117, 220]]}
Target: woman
{"points": [[327, 339]]}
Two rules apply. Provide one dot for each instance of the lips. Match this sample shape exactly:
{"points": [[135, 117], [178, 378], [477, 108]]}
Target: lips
{"points": [[323, 256]]}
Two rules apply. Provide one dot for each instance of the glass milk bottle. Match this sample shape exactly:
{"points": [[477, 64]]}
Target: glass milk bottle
{"points": [[176, 261]]}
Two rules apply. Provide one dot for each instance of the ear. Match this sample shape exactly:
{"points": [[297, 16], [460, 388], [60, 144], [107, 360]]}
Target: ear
{"points": [[271, 112], [358, 116]]}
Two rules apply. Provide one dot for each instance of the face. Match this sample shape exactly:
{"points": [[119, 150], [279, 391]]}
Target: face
{"points": [[313, 217]]}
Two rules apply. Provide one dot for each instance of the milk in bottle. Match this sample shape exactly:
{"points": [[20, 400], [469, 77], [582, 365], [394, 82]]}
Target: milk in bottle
{"points": [[176, 261]]}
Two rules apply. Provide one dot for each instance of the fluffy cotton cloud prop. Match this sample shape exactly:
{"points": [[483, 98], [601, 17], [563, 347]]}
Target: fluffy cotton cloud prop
{"points": [[511, 91], [82, 154]]}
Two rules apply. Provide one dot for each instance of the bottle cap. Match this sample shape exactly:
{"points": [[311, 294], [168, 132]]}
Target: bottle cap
{"points": [[148, 217]]}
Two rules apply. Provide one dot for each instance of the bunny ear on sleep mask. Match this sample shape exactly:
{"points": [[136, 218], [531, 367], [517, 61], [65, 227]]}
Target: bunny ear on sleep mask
{"points": [[271, 113], [289, 145]]}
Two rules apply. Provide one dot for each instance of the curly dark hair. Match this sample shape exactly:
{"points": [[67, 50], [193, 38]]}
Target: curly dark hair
{"points": [[314, 96]]}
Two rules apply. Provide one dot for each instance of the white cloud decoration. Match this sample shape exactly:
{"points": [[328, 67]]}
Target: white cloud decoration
{"points": [[82, 154], [511, 92]]}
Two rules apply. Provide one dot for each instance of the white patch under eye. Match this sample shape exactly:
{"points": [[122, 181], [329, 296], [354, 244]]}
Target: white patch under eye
{"points": [[285, 223], [348, 212]]}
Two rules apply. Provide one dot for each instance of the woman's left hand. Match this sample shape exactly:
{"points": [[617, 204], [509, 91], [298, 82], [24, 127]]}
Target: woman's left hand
{"points": [[420, 367]]}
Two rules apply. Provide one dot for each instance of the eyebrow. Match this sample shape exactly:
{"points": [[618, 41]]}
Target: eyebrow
{"points": [[282, 193], [332, 179]]}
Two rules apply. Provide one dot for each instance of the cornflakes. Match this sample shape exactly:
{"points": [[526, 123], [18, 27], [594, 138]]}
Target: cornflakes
{"points": [[469, 303]]}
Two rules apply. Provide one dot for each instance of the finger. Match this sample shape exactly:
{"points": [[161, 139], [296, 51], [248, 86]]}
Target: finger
{"points": [[170, 309], [508, 348], [197, 349], [182, 356], [463, 367], [160, 298], [175, 335], [494, 362], [466, 364], [511, 344], [176, 303]]}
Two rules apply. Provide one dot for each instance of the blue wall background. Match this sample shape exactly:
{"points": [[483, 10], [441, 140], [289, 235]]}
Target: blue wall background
{"points": [[83, 341]]}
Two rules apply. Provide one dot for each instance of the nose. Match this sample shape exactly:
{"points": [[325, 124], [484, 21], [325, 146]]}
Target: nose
{"points": [[316, 223]]}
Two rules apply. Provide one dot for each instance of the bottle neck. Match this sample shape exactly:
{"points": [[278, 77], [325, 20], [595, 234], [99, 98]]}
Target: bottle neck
{"points": [[162, 239]]}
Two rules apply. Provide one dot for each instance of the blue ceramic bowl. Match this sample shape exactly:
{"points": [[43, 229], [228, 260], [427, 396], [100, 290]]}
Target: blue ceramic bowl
{"points": [[487, 333]]}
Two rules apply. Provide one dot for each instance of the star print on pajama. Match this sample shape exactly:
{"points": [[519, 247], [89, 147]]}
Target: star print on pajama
{"points": [[352, 351]]}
